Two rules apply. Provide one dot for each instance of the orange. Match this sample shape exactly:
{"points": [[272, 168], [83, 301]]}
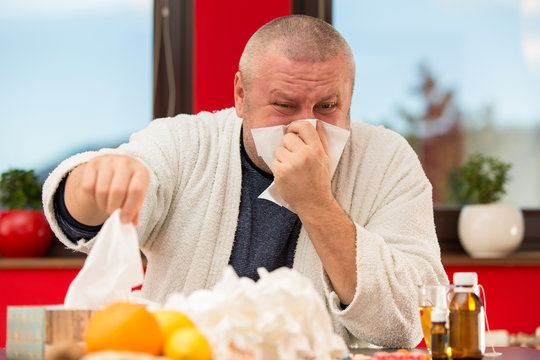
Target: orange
{"points": [[171, 320], [187, 343], [124, 327]]}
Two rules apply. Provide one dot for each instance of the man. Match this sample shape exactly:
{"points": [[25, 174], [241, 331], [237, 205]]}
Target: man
{"points": [[364, 236]]}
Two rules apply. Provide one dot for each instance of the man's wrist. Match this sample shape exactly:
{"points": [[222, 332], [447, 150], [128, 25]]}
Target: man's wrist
{"points": [[73, 229], [318, 208]]}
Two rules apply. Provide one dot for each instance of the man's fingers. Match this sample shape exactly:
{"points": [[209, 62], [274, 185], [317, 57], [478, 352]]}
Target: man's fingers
{"points": [[103, 182], [274, 166], [292, 141], [136, 192], [281, 153], [116, 182], [118, 190], [305, 131], [89, 178]]}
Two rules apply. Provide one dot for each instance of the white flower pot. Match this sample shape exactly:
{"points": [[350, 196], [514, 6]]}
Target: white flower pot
{"points": [[490, 231]]}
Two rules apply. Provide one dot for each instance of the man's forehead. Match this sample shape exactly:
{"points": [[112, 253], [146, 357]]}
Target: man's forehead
{"points": [[293, 95]]}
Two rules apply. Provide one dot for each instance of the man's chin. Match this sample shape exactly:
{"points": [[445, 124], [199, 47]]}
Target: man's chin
{"points": [[262, 166]]}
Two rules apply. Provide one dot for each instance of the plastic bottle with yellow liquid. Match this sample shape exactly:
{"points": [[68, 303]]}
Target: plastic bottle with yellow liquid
{"points": [[466, 321]]}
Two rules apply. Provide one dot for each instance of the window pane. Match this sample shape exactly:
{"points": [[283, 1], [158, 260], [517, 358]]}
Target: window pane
{"points": [[75, 75], [454, 77]]}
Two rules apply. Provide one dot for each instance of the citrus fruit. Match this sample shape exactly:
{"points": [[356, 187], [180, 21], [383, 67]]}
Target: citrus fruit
{"points": [[124, 327], [171, 320], [187, 343]]}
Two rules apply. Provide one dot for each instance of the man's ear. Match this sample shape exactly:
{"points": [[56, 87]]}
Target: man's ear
{"points": [[239, 95]]}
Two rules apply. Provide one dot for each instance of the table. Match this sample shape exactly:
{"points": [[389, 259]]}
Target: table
{"points": [[508, 353]]}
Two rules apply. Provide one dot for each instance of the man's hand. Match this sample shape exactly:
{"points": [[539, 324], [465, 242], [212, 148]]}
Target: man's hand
{"points": [[303, 168], [96, 188]]}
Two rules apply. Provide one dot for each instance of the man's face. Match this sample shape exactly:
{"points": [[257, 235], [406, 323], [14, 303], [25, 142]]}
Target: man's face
{"points": [[285, 91]]}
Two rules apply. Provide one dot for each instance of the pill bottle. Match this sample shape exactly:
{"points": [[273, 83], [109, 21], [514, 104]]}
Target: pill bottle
{"points": [[467, 336], [439, 336]]}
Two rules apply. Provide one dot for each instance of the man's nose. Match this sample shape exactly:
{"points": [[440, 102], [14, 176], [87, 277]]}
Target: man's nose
{"points": [[307, 113]]}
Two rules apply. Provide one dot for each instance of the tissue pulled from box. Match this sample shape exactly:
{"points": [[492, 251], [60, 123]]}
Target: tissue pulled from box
{"points": [[281, 316], [111, 270]]}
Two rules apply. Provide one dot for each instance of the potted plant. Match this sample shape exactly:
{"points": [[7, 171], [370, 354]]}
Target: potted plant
{"points": [[486, 228], [24, 230]]}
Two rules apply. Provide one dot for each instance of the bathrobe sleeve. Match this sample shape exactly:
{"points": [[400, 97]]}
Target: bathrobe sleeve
{"points": [[383, 188]]}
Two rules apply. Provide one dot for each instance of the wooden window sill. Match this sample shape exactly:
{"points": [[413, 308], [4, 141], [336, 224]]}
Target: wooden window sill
{"points": [[42, 263], [516, 259], [530, 258]]}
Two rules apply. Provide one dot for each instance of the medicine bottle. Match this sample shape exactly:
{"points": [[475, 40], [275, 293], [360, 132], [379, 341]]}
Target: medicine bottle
{"points": [[466, 321], [439, 336]]}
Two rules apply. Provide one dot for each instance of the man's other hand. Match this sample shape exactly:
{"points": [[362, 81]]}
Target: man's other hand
{"points": [[97, 188], [303, 168]]}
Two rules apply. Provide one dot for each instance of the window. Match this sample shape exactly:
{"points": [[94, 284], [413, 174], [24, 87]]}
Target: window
{"points": [[75, 75], [454, 77]]}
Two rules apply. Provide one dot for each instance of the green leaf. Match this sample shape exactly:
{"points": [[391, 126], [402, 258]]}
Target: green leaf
{"points": [[481, 180], [20, 189]]}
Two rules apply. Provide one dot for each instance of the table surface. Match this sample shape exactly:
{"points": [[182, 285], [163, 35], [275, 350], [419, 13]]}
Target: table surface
{"points": [[508, 353]]}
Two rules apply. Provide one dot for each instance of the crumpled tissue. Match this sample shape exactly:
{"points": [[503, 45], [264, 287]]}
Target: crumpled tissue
{"points": [[268, 139], [111, 270], [280, 316]]}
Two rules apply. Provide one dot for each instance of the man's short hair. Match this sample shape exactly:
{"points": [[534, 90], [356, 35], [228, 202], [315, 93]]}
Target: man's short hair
{"points": [[298, 37]]}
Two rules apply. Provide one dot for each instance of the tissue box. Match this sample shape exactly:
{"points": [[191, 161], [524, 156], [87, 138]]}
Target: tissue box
{"points": [[31, 329]]}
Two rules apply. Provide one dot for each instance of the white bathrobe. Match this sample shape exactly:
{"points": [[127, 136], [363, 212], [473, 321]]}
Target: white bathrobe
{"points": [[189, 218]]}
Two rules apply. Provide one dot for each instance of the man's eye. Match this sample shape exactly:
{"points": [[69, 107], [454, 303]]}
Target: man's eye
{"points": [[282, 105], [327, 107]]}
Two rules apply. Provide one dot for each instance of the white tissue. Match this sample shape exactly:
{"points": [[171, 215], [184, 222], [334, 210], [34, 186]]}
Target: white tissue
{"points": [[111, 270], [281, 316], [268, 139]]}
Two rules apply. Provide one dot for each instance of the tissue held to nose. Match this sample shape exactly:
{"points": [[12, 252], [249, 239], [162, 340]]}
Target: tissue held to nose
{"points": [[268, 139]]}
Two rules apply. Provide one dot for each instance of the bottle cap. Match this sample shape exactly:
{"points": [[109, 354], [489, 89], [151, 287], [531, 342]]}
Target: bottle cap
{"points": [[438, 316], [465, 279]]}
